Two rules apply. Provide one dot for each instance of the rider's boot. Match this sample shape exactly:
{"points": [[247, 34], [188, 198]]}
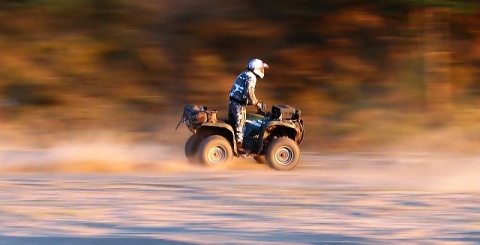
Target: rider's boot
{"points": [[240, 149]]}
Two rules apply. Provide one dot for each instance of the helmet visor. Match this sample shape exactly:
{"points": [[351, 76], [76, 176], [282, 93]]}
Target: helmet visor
{"points": [[264, 66]]}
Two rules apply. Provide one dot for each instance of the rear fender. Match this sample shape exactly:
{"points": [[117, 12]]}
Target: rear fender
{"points": [[218, 128]]}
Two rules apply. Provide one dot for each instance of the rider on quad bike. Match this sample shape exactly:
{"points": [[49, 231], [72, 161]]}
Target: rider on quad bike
{"points": [[242, 94], [269, 137]]}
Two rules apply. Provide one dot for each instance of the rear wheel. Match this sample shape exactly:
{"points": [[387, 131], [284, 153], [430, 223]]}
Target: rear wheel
{"points": [[191, 147], [282, 154], [215, 150]]}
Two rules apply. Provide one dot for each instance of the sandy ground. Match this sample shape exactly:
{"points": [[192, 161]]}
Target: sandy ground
{"points": [[99, 194]]}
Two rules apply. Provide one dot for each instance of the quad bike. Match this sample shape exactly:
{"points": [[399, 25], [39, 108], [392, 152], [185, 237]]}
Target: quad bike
{"points": [[269, 137]]}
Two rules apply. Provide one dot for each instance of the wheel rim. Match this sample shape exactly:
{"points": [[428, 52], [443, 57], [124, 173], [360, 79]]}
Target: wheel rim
{"points": [[217, 154], [284, 155]]}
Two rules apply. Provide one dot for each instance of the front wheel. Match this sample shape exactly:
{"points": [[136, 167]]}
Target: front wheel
{"points": [[215, 150], [282, 154]]}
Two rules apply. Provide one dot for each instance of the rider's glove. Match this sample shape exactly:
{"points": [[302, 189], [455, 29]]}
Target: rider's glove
{"points": [[259, 106]]}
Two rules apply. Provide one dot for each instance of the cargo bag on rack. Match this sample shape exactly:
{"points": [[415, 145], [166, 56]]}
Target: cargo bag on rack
{"points": [[194, 115]]}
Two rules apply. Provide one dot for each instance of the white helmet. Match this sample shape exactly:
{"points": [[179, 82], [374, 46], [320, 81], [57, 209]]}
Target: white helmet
{"points": [[258, 67]]}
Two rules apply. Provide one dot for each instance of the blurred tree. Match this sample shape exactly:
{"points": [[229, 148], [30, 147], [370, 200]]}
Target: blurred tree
{"points": [[437, 49], [334, 59]]}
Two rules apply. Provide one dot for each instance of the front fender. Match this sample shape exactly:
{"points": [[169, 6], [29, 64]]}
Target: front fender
{"points": [[283, 128]]}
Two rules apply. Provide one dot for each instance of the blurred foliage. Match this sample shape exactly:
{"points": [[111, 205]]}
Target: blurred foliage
{"points": [[361, 71]]}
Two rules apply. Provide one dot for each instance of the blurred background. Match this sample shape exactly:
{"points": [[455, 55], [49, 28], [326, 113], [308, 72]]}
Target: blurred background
{"points": [[397, 74]]}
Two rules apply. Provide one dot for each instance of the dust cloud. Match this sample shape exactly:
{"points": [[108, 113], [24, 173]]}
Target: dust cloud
{"points": [[106, 155], [103, 155], [421, 163]]}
